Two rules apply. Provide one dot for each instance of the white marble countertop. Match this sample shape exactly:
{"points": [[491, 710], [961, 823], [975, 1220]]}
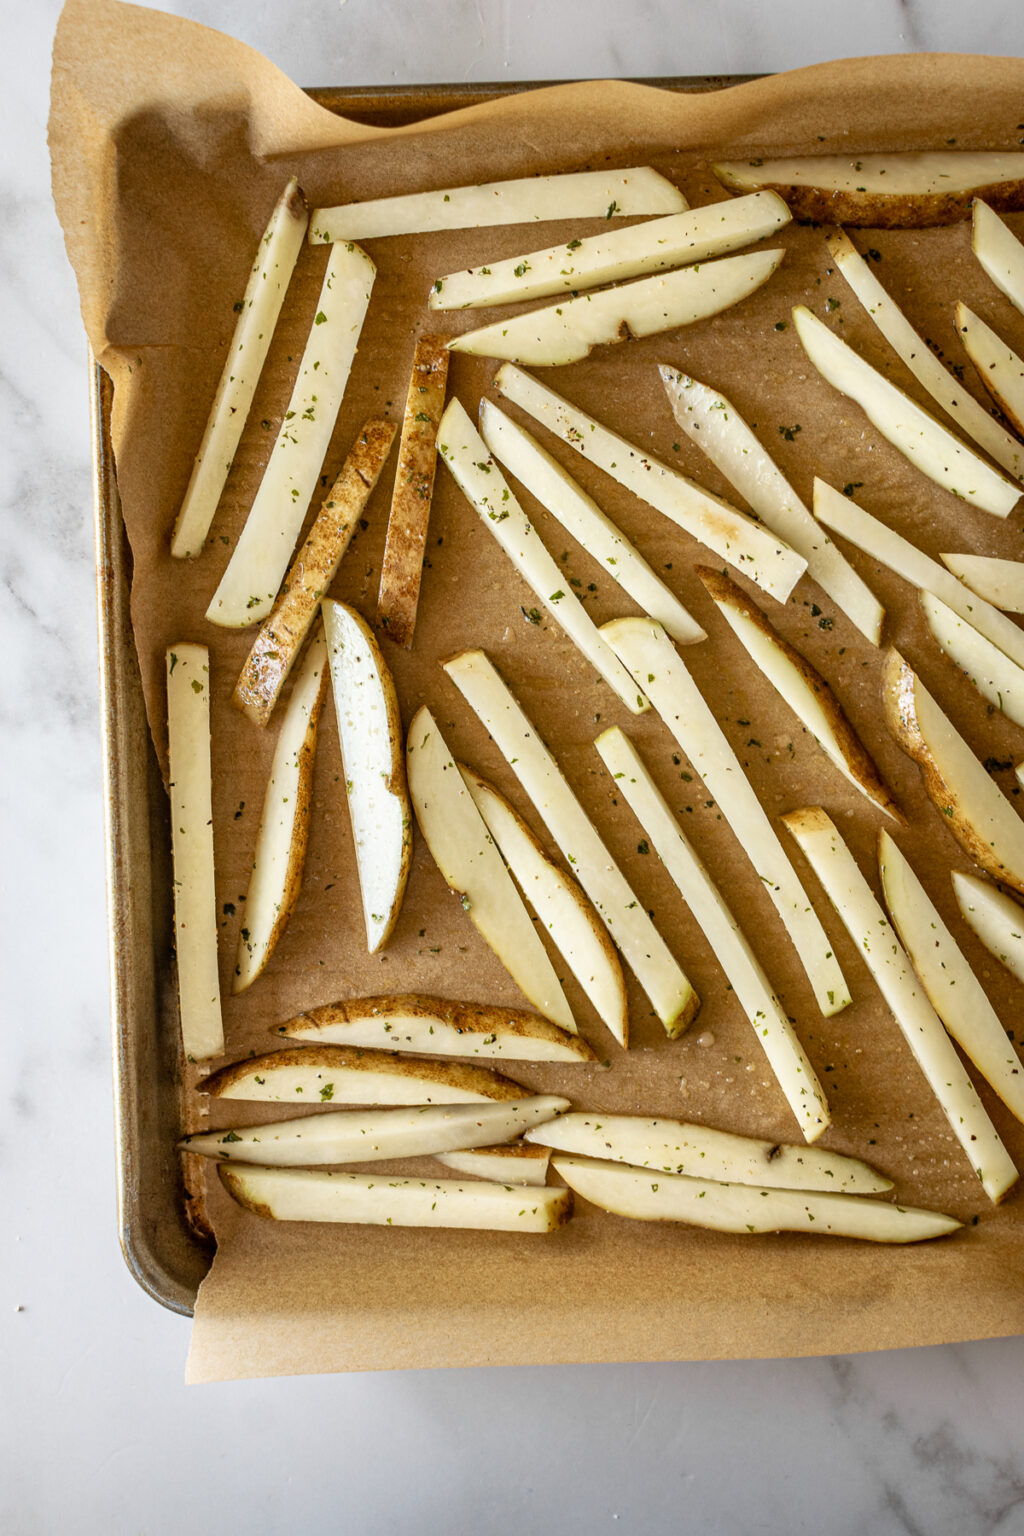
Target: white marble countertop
{"points": [[98, 1432]]}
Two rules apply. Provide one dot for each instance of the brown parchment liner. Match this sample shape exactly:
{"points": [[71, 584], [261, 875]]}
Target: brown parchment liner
{"points": [[170, 144]]}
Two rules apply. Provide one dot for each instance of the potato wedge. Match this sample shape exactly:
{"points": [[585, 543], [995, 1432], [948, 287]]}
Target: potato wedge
{"points": [[775, 1034], [996, 918], [276, 878], [402, 566], [736, 538], [514, 1163], [922, 440], [525, 200], [259, 560], [894, 191], [195, 899], [973, 807], [802, 687], [628, 923], [999, 368], [279, 641], [467, 857], [953, 990], [853, 899], [345, 1074], [568, 331], [304, 1194], [649, 653], [715, 425], [258, 312], [433, 1026], [999, 582], [995, 676], [744, 1207], [998, 250], [371, 738]]}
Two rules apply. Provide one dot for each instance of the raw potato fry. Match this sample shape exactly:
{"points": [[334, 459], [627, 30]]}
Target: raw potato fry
{"points": [[803, 689], [371, 738], [276, 878], [568, 331], [999, 582], [254, 330], [676, 1146], [745, 1208], [340, 1074], [952, 987], [715, 425], [999, 251], [303, 1194], [260, 559], [917, 435], [999, 368], [278, 643], [995, 917], [435, 1026], [731, 534], [515, 1163], [775, 1034], [674, 999], [654, 246], [581, 517], [402, 566], [526, 200], [929, 372], [560, 905], [976, 811], [853, 899], [467, 857], [995, 676], [649, 653], [480, 481], [882, 543], [897, 191], [195, 898], [374, 1135]]}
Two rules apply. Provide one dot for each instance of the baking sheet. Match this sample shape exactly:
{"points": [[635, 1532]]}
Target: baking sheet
{"points": [[163, 178]]}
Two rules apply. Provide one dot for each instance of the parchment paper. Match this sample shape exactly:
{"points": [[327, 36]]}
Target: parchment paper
{"points": [[170, 144]]}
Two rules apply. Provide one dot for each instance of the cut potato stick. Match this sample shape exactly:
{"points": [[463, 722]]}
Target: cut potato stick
{"points": [[402, 566], [803, 689], [433, 1026], [467, 857], [374, 1135], [278, 643], [655, 246], [715, 425], [581, 517], [895, 191], [999, 368], [927, 369], [649, 653], [561, 907], [258, 312], [995, 676], [516, 1163], [882, 543], [736, 538], [304, 1194], [479, 479], [953, 990], [568, 331], [628, 923], [854, 901], [340, 1074], [745, 1208], [195, 899], [526, 200], [775, 1034], [999, 582], [922, 440], [370, 735], [999, 252], [259, 560], [976, 811], [276, 878], [676, 1146], [996, 918]]}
